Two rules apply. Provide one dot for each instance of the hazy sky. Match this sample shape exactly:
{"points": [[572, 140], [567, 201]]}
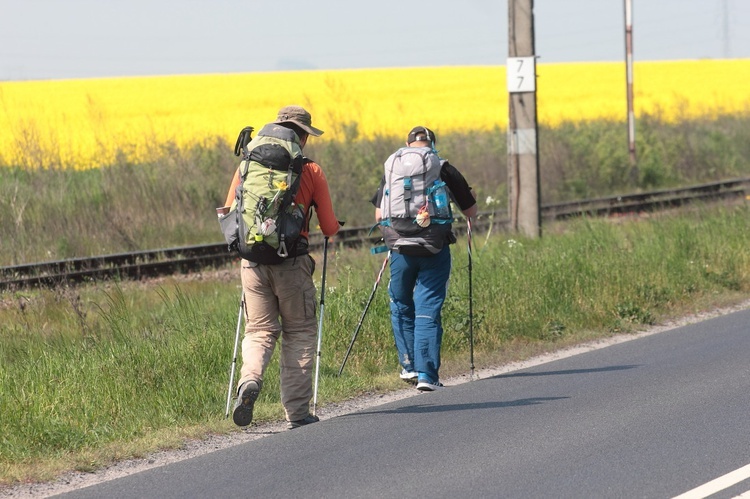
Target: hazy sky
{"points": [[42, 39]]}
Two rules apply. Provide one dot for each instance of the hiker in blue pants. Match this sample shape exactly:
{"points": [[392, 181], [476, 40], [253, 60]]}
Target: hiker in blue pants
{"points": [[412, 208]]}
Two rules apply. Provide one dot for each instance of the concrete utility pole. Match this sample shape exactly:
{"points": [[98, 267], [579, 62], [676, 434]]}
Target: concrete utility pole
{"points": [[523, 161], [629, 79]]}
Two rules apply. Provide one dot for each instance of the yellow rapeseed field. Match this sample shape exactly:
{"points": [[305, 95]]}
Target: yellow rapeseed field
{"points": [[88, 122]]}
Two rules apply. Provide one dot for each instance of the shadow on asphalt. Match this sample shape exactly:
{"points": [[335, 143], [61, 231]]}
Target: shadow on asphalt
{"points": [[422, 408], [566, 371]]}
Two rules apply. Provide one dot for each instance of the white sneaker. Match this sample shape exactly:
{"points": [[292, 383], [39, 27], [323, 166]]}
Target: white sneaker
{"points": [[408, 376]]}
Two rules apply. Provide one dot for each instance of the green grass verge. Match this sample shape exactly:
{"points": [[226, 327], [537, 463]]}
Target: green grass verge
{"points": [[104, 372]]}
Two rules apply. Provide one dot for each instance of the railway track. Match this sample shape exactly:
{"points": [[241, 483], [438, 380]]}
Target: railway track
{"points": [[166, 261]]}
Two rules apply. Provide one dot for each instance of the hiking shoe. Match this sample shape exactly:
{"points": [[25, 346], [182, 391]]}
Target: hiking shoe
{"points": [[243, 408], [409, 376], [425, 385], [302, 422]]}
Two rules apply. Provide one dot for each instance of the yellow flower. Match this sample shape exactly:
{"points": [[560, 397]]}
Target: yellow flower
{"points": [[281, 185]]}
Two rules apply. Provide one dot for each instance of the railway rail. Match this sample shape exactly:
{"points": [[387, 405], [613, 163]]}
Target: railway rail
{"points": [[166, 261]]}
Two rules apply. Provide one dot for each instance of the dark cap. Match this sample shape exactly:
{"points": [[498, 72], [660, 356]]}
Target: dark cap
{"points": [[421, 133], [300, 117]]}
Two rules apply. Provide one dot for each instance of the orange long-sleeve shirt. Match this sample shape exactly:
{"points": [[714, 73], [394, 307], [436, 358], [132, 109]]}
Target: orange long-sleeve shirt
{"points": [[313, 190]]}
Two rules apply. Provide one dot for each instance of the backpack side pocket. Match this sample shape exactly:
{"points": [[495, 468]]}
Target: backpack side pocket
{"points": [[230, 227]]}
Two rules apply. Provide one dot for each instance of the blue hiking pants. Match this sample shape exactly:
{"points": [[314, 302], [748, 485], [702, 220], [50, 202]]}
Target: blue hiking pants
{"points": [[417, 289]]}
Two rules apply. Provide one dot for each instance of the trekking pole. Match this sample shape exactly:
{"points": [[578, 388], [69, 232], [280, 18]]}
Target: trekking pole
{"points": [[320, 323], [234, 354], [471, 301], [364, 312]]}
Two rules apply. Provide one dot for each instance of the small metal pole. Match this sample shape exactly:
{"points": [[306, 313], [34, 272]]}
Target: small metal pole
{"points": [[629, 78], [320, 324], [234, 354]]}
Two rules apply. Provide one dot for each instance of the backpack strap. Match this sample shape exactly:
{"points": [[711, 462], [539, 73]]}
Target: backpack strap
{"points": [[296, 166]]}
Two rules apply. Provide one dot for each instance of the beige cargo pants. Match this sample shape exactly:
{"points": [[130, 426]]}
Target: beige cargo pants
{"points": [[280, 303]]}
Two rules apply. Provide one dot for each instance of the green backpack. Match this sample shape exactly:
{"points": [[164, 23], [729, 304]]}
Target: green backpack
{"points": [[264, 223]]}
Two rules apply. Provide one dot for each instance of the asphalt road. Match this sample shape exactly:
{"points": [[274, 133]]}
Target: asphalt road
{"points": [[654, 417]]}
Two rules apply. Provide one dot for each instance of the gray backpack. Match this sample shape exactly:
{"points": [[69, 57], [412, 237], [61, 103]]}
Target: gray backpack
{"points": [[415, 208]]}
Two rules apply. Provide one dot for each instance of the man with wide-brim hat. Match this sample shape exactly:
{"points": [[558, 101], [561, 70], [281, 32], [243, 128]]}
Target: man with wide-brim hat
{"points": [[300, 117], [280, 291]]}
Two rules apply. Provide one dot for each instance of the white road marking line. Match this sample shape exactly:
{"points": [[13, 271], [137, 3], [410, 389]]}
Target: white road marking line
{"points": [[714, 486]]}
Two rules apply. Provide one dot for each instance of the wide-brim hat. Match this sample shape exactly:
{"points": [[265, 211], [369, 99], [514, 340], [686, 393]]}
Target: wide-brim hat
{"points": [[300, 117]]}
